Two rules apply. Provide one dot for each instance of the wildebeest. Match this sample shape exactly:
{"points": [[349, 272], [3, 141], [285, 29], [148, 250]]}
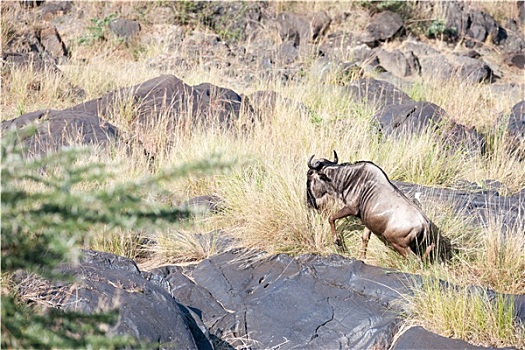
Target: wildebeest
{"points": [[366, 192]]}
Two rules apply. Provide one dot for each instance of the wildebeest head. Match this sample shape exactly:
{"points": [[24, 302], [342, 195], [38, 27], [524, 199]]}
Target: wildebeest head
{"points": [[318, 184]]}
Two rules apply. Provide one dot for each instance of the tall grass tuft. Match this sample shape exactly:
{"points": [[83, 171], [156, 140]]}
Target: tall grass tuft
{"points": [[471, 314]]}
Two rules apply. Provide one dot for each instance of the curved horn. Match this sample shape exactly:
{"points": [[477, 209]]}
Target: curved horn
{"points": [[336, 159], [310, 165], [316, 166]]}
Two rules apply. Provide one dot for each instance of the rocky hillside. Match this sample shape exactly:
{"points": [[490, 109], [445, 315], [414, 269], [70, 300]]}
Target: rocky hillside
{"points": [[377, 55]]}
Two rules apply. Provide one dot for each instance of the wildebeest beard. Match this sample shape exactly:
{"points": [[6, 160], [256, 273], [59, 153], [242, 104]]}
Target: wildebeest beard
{"points": [[310, 199]]}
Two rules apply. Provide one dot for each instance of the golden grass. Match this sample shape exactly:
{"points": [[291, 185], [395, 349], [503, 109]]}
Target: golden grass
{"points": [[466, 313]]}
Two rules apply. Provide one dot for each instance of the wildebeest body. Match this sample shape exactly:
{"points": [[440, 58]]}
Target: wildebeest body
{"points": [[366, 192]]}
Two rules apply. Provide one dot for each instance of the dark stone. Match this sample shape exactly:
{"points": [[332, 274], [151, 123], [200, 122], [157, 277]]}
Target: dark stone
{"points": [[256, 297], [516, 130], [471, 70], [52, 42], [290, 27], [303, 302], [416, 117], [454, 66], [302, 29], [169, 97], [166, 102], [147, 312], [383, 26], [319, 23], [377, 93], [521, 11], [478, 206], [287, 53], [420, 338], [516, 124], [203, 203], [397, 63], [56, 8], [217, 104], [125, 28], [336, 45], [55, 128], [458, 136], [412, 117], [518, 60], [29, 60], [470, 23]]}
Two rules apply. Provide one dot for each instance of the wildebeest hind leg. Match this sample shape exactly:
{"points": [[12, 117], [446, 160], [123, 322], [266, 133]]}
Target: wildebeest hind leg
{"points": [[404, 251], [364, 243]]}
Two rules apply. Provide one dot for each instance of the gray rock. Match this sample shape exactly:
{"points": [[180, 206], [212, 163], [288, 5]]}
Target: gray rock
{"points": [[125, 28], [377, 93], [55, 129], [383, 26], [478, 206], [203, 204], [307, 302], [416, 117], [302, 29], [457, 136], [147, 312], [518, 60], [461, 67], [168, 96], [471, 69], [397, 63], [347, 310], [418, 337], [411, 117], [29, 60], [516, 130], [52, 42], [56, 8], [435, 67], [470, 22], [287, 53]]}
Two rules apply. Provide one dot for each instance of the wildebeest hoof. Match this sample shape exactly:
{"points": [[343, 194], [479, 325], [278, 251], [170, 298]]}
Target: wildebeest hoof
{"points": [[341, 247]]}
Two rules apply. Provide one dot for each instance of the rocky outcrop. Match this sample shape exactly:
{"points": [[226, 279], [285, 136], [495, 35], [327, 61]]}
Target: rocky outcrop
{"points": [[147, 312], [55, 129], [247, 299], [479, 205], [169, 97]]}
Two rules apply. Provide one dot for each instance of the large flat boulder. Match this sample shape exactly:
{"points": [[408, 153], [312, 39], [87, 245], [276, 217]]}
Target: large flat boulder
{"points": [[104, 282], [58, 128]]}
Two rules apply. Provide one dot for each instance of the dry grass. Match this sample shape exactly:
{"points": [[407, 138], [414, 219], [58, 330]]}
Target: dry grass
{"points": [[468, 314]]}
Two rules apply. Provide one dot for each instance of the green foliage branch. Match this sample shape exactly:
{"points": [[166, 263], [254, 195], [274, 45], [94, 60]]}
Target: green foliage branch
{"points": [[45, 213]]}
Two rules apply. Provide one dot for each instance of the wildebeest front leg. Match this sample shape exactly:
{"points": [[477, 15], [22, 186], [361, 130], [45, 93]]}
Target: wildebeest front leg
{"points": [[344, 212], [364, 243], [429, 249]]}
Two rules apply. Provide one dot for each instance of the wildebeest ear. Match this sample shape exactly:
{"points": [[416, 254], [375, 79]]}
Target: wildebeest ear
{"points": [[325, 178]]}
